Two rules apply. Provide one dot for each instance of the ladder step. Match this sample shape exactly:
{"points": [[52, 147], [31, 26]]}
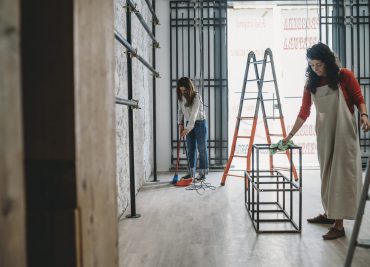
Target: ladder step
{"points": [[363, 244], [235, 175], [243, 136], [240, 156], [245, 118], [259, 61], [275, 134], [254, 92], [271, 118], [268, 81], [253, 80], [255, 98]]}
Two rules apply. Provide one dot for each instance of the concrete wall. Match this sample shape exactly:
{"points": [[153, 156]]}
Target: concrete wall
{"points": [[142, 91], [12, 192]]}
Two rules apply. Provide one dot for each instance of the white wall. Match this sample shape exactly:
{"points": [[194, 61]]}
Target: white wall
{"points": [[163, 87]]}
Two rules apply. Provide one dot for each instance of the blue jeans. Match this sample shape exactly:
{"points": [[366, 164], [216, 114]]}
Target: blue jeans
{"points": [[197, 138]]}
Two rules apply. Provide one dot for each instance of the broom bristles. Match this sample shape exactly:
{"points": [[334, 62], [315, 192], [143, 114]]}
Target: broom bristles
{"points": [[175, 179]]}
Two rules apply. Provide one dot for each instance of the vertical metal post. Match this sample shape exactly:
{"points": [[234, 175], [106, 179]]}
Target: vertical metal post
{"points": [[130, 121], [364, 72], [245, 188], [291, 184], [171, 75], [320, 31], [226, 85], [214, 83], [188, 29], [300, 188], [326, 22], [220, 83], [251, 185], [155, 178], [357, 226], [209, 74], [258, 189], [195, 38], [352, 42]]}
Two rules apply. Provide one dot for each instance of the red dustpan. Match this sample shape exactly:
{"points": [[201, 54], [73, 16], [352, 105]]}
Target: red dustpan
{"points": [[184, 182]]}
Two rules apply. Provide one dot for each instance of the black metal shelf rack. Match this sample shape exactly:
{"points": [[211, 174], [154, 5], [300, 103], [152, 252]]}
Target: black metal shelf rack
{"points": [[270, 195]]}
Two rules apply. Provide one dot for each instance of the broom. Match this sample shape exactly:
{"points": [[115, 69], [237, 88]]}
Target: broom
{"points": [[185, 182], [175, 178]]}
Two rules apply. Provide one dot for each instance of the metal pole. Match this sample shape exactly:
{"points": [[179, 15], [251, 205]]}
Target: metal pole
{"points": [[130, 122], [131, 103], [357, 226], [155, 179]]}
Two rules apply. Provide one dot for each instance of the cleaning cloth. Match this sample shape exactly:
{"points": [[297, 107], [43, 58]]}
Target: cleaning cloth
{"points": [[279, 146]]}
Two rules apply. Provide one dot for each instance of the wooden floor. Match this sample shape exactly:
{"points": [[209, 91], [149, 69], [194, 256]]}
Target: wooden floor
{"points": [[181, 228]]}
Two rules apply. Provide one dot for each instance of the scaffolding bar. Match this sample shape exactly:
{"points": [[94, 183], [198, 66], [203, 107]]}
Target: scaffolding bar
{"points": [[152, 10], [131, 103], [142, 21], [133, 52]]}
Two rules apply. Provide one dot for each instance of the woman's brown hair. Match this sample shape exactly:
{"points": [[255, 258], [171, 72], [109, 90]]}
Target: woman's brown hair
{"points": [[323, 53], [189, 93]]}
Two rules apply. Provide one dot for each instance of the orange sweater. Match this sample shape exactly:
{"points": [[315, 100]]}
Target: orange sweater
{"points": [[350, 88]]}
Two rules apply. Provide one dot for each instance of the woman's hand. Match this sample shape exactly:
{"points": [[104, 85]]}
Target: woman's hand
{"points": [[365, 124], [286, 139], [184, 132]]}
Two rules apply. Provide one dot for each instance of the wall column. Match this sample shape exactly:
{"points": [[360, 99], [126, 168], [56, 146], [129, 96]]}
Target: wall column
{"points": [[12, 207]]}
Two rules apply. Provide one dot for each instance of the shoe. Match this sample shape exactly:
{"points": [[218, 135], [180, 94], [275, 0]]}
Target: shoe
{"points": [[188, 176], [200, 177], [321, 219], [334, 233]]}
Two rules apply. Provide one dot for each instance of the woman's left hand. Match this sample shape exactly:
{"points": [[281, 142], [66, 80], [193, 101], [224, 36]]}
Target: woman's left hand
{"points": [[365, 124], [184, 132]]}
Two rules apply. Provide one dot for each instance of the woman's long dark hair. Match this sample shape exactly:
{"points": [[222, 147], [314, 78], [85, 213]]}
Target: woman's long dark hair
{"points": [[323, 53], [189, 93]]}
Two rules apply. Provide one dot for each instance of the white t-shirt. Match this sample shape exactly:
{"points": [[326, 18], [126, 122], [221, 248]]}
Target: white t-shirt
{"points": [[191, 113]]}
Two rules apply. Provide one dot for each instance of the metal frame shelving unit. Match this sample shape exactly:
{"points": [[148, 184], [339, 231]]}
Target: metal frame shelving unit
{"points": [[280, 188]]}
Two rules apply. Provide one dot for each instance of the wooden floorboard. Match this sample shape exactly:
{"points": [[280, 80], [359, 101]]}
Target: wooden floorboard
{"points": [[182, 228]]}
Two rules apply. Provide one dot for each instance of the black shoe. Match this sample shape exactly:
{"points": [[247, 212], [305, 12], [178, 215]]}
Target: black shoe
{"points": [[322, 219], [188, 176], [200, 178], [334, 233]]}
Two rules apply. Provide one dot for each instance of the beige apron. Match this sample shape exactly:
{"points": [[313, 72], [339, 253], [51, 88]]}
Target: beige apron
{"points": [[339, 154]]}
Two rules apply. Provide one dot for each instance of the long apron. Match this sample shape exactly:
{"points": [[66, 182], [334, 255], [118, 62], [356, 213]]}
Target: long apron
{"points": [[339, 154]]}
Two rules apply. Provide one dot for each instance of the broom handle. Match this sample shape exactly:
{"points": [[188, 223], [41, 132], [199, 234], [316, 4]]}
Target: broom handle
{"points": [[187, 158], [178, 155]]}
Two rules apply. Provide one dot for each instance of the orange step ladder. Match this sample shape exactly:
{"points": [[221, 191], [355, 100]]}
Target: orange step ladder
{"points": [[260, 80]]}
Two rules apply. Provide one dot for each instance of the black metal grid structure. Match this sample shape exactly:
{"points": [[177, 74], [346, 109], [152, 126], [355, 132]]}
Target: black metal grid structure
{"points": [[198, 49], [131, 103], [345, 26], [273, 182]]}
